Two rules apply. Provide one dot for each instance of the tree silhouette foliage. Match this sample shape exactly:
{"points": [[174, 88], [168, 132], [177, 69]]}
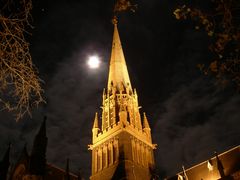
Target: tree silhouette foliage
{"points": [[20, 85], [221, 22], [124, 5]]}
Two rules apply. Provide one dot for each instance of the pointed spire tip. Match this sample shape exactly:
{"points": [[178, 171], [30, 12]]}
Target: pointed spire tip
{"points": [[145, 121], [95, 124], [114, 20], [118, 77]]}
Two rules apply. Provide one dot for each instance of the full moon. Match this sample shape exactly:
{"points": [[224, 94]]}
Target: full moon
{"points": [[93, 62]]}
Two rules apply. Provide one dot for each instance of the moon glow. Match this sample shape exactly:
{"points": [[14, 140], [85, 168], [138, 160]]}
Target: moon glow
{"points": [[93, 62]]}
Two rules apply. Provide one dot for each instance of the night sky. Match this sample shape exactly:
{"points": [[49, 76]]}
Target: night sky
{"points": [[190, 116]]}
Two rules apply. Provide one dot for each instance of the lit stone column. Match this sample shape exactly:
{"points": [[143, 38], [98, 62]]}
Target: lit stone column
{"points": [[103, 157], [114, 111], [105, 151], [111, 152], [100, 158], [140, 153], [116, 150], [137, 151], [152, 158], [109, 111], [147, 156], [144, 156], [134, 114], [133, 148], [95, 160]]}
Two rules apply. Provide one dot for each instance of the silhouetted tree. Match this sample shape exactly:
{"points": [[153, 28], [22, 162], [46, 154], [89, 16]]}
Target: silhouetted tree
{"points": [[19, 82], [221, 23]]}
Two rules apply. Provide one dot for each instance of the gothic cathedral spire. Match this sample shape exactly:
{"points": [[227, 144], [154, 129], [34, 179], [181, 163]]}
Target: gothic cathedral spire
{"points": [[122, 147], [118, 73], [38, 155]]}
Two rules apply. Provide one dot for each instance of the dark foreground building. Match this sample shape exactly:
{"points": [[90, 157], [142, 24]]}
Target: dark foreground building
{"points": [[34, 166], [225, 166]]}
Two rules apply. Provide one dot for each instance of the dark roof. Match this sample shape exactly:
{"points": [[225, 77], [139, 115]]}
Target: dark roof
{"points": [[227, 162], [54, 172]]}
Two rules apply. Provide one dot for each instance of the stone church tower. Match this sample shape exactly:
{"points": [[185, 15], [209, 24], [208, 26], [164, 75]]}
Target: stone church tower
{"points": [[122, 146]]}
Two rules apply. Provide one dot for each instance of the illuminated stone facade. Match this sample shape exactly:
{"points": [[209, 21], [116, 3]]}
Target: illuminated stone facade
{"points": [[122, 147]]}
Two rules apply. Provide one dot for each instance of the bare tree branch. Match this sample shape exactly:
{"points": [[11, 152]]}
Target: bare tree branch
{"points": [[223, 28], [20, 86]]}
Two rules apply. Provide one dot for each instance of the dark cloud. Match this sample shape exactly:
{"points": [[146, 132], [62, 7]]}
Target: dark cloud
{"points": [[196, 121], [74, 95]]}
